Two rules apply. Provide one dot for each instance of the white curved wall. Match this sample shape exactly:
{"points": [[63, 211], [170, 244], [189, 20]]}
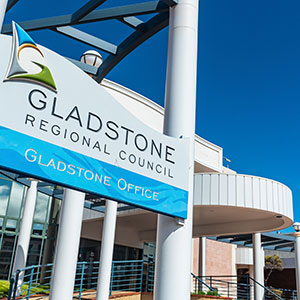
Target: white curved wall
{"points": [[243, 191], [233, 203]]}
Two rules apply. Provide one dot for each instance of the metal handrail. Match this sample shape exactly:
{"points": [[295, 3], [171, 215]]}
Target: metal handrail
{"points": [[126, 275], [233, 288], [265, 288], [202, 282]]}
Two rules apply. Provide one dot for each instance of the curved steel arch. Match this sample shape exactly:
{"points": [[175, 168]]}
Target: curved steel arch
{"points": [[10, 4], [88, 14], [144, 32]]}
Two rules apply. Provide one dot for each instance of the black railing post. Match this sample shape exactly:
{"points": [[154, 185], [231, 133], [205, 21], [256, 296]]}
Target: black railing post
{"points": [[16, 284], [11, 287], [228, 287], [248, 288], [200, 285]]}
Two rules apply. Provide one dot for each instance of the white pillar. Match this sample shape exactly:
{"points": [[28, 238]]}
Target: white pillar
{"points": [[202, 262], [25, 227], [3, 5], [107, 247], [65, 261], [297, 252], [202, 256], [258, 264], [174, 239]]}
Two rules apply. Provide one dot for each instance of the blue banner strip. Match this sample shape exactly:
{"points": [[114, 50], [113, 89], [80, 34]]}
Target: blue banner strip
{"points": [[43, 160]]}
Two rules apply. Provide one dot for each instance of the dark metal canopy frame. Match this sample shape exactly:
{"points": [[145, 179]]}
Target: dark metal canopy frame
{"points": [[159, 11], [269, 241], [91, 12]]}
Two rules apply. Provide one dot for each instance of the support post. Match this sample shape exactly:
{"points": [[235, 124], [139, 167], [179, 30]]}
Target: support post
{"points": [[174, 238], [107, 247], [202, 256], [65, 261], [48, 251], [258, 266], [297, 252], [3, 6], [202, 261], [25, 227]]}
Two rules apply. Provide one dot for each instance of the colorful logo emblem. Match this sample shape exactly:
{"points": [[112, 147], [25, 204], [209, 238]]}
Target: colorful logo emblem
{"points": [[27, 62]]}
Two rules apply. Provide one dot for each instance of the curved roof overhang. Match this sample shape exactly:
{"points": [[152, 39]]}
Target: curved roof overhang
{"points": [[236, 204], [224, 204]]}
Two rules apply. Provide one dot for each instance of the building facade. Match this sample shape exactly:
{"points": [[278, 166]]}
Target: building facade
{"points": [[224, 203]]}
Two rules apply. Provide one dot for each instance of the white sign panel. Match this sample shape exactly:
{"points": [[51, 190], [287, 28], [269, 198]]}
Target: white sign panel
{"points": [[58, 124]]}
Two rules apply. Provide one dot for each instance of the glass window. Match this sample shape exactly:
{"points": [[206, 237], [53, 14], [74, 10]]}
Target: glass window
{"points": [[34, 251], [54, 212], [119, 252], [37, 229], [1, 223], [11, 225], [41, 208], [5, 186], [6, 253], [89, 249], [15, 202]]}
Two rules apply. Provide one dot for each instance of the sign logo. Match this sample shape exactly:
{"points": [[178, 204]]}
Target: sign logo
{"points": [[27, 62]]}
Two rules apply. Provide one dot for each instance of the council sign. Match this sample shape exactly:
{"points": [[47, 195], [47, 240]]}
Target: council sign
{"points": [[59, 125]]}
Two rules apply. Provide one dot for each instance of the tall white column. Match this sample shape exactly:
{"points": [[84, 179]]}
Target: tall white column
{"points": [[65, 261], [3, 5], [202, 256], [297, 252], [258, 263], [107, 247], [174, 238], [202, 262], [25, 227]]}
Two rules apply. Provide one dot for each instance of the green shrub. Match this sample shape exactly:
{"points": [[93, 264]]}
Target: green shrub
{"points": [[35, 289], [212, 293], [199, 293], [4, 288]]}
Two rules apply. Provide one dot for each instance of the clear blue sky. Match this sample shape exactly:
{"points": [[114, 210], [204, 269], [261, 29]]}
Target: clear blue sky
{"points": [[248, 99]]}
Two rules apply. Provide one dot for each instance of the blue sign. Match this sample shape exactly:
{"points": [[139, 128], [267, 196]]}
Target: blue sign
{"points": [[46, 161]]}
